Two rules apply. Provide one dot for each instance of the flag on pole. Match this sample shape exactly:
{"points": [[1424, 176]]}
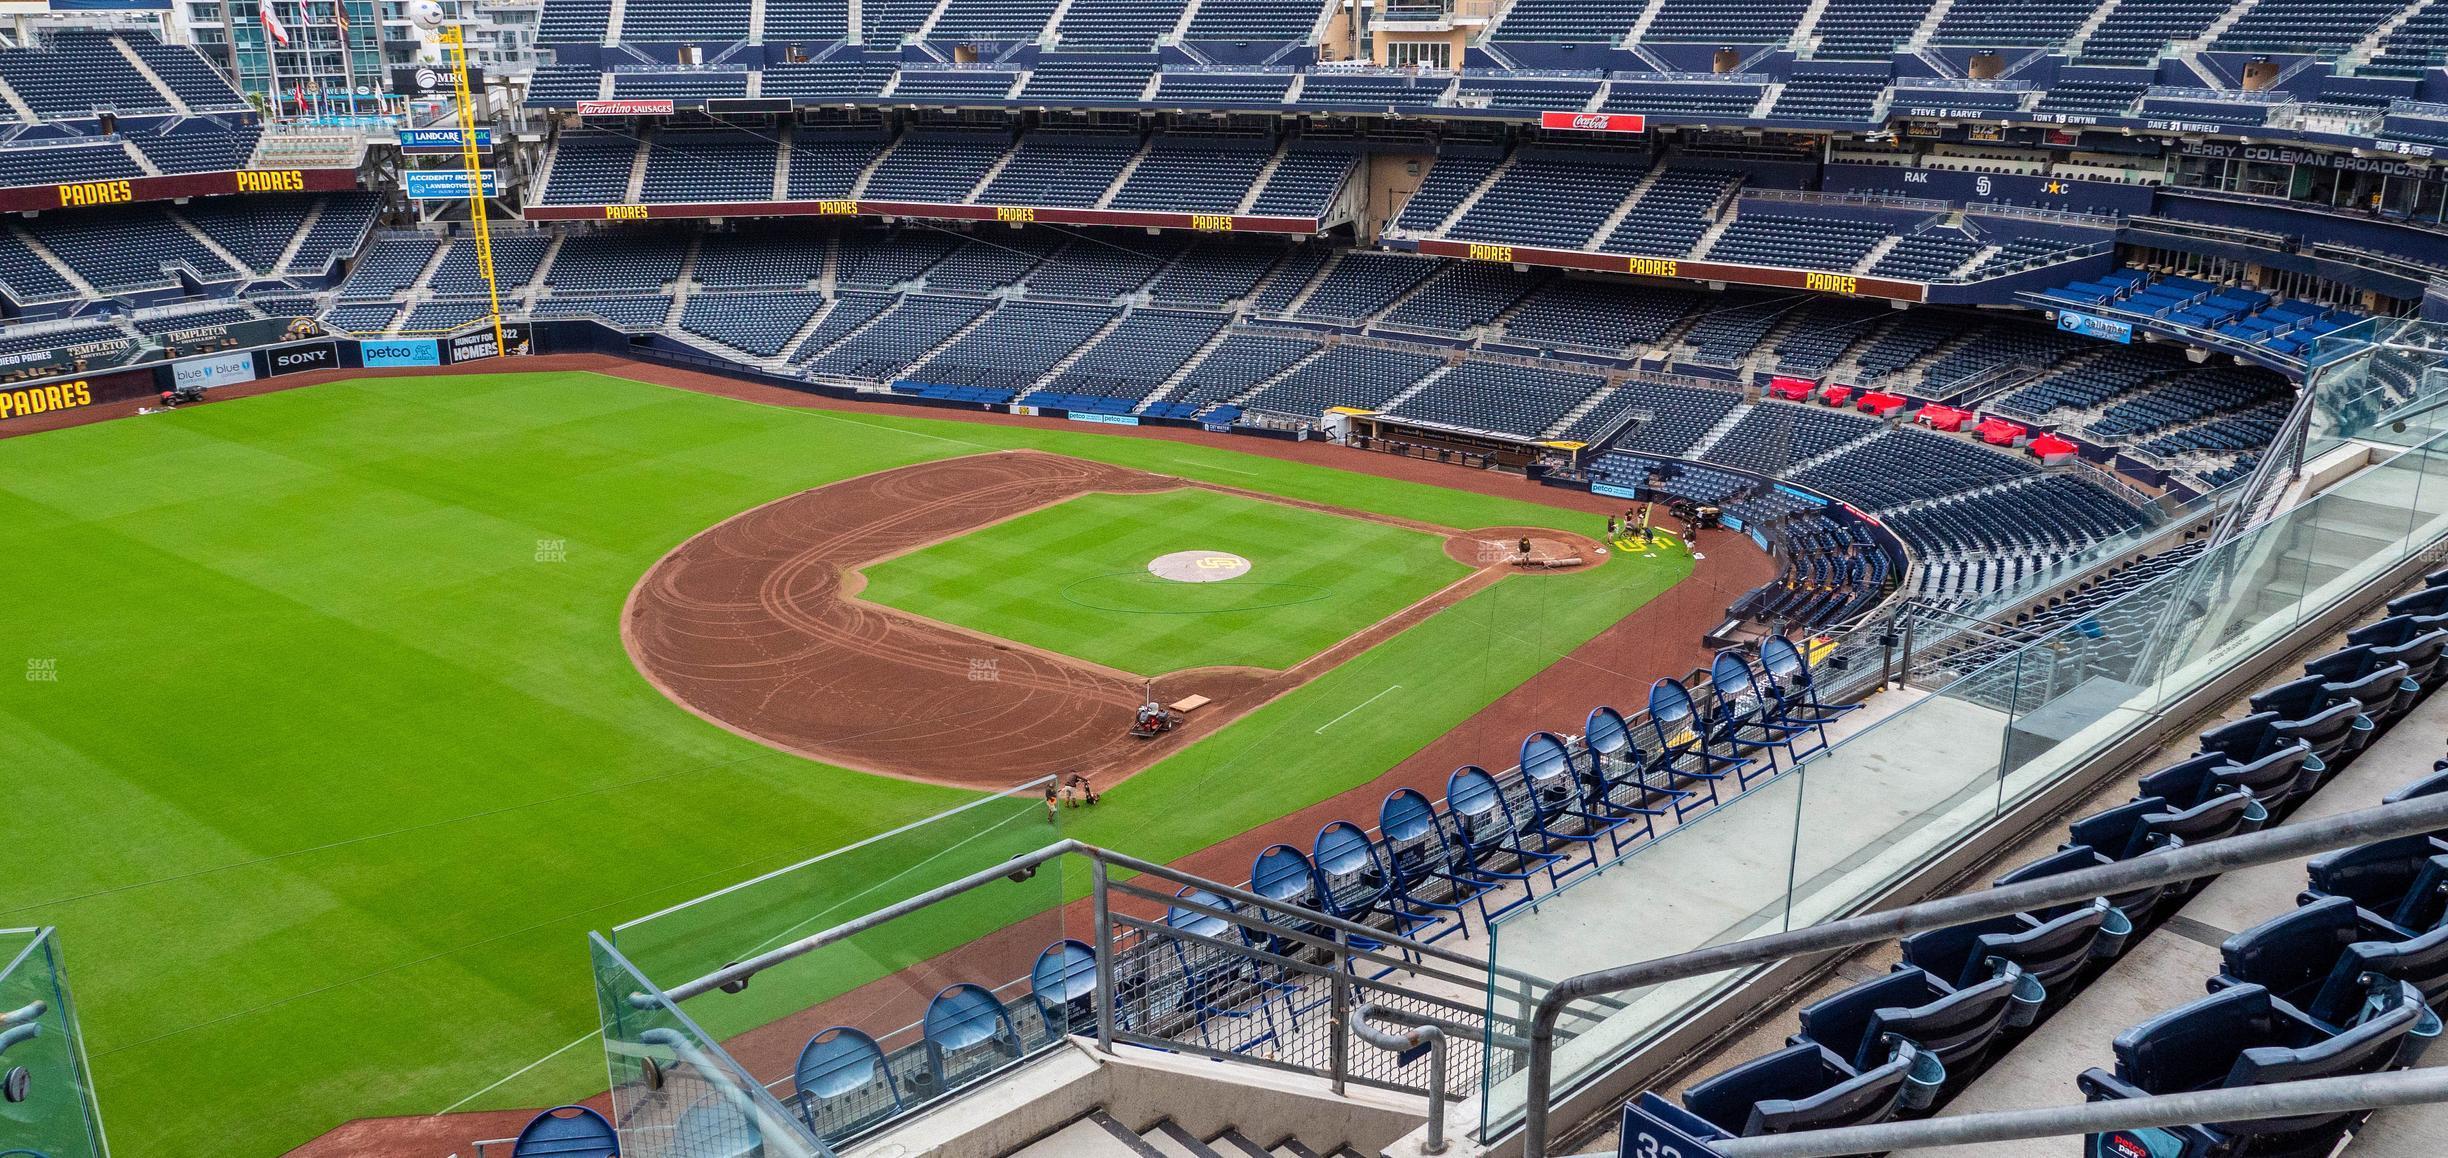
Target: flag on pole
{"points": [[271, 23], [340, 16]]}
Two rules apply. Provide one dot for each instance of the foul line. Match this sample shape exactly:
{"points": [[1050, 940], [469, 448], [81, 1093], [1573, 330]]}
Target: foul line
{"points": [[588, 1036], [1321, 728]]}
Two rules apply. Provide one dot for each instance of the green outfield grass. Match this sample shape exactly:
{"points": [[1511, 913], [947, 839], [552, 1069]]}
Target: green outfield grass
{"points": [[343, 756], [1073, 578]]}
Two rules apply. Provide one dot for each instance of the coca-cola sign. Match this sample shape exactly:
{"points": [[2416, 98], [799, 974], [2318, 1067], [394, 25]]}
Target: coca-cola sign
{"points": [[1595, 122]]}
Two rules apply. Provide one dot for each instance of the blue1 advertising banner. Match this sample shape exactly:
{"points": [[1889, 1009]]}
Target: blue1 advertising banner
{"points": [[2089, 326], [218, 370], [445, 184]]}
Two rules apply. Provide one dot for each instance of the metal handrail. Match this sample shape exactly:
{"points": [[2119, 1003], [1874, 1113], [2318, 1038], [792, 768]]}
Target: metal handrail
{"points": [[1423, 1031], [2337, 1095], [2269, 846]]}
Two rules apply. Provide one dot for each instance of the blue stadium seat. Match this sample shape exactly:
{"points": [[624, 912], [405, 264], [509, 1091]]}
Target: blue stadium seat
{"points": [[2403, 881], [842, 1084], [968, 1035], [1063, 984], [2051, 950], [1806, 1087], [566, 1132], [2318, 958], [1957, 1025], [2244, 1036], [2145, 825]]}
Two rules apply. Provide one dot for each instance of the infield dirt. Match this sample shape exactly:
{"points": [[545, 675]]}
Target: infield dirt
{"points": [[755, 626]]}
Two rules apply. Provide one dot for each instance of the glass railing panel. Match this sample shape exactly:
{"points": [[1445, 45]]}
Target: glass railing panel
{"points": [[40, 1046]]}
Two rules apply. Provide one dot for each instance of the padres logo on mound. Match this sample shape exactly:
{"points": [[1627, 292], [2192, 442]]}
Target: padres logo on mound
{"points": [[1199, 566]]}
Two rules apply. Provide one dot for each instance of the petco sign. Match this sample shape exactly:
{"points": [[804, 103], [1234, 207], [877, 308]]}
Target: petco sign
{"points": [[399, 352], [1595, 122]]}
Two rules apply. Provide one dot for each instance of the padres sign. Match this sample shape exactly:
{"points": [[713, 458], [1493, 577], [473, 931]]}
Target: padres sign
{"points": [[44, 399]]}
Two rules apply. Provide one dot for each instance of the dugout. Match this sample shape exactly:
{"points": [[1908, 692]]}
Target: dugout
{"points": [[1438, 443]]}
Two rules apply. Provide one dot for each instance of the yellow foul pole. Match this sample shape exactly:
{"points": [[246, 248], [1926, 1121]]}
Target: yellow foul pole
{"points": [[468, 154]]}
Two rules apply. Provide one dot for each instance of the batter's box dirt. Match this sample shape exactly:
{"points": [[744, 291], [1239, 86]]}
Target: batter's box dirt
{"points": [[754, 626]]}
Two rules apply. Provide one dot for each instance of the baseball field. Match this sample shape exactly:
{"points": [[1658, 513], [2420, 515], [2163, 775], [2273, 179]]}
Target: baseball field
{"points": [[348, 711]]}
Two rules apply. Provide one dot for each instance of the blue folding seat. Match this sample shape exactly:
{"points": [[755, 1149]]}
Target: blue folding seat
{"points": [[1747, 715], [1688, 745], [2313, 709], [1222, 989], [2050, 949], [968, 1035], [1617, 773], [1791, 681], [841, 1083], [1806, 1087], [1490, 839], [2244, 1037], [1957, 1025], [1556, 789], [2431, 785], [2316, 956], [1354, 883], [2402, 880], [1429, 875]]}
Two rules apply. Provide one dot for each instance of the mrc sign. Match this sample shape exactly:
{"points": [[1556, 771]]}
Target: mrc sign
{"points": [[1595, 122]]}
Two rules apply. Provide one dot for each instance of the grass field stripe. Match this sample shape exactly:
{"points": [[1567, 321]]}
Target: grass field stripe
{"points": [[1321, 728], [1015, 792], [514, 1075], [443, 822]]}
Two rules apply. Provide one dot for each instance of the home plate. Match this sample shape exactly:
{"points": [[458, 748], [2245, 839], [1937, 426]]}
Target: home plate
{"points": [[1198, 566]]}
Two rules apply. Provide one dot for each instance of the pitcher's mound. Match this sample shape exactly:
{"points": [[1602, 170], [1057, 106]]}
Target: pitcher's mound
{"points": [[1198, 566]]}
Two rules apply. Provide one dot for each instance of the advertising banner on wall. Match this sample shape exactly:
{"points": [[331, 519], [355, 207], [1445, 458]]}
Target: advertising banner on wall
{"points": [[381, 353], [302, 356], [441, 140], [445, 184], [218, 370], [1595, 122], [478, 344], [624, 108], [2089, 326]]}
